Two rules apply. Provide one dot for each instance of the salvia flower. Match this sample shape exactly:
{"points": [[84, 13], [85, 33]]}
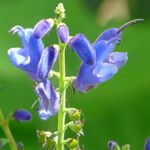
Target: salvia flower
{"points": [[147, 144], [107, 61], [101, 52], [32, 58], [37, 61], [63, 33], [48, 100], [107, 64], [22, 115]]}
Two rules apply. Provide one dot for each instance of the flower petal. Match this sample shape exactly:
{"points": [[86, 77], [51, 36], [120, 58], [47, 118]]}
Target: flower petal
{"points": [[89, 77], [19, 59], [147, 144], [47, 60], [42, 28], [118, 59], [104, 48], [48, 100], [84, 49], [32, 48], [63, 33], [105, 71], [110, 34]]}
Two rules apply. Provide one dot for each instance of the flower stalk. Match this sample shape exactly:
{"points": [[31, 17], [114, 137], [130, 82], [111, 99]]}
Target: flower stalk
{"points": [[5, 126], [62, 113]]}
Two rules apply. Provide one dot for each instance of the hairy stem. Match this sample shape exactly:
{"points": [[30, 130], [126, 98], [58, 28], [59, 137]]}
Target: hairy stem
{"points": [[5, 127], [62, 113]]}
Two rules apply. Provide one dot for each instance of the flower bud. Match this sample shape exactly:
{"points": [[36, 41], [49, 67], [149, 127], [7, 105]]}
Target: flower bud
{"points": [[60, 11], [73, 143], [22, 115], [113, 145], [76, 127], [63, 33], [42, 28], [74, 114], [147, 144]]}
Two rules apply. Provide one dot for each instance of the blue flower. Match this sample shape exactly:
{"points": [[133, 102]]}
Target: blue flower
{"points": [[33, 58], [48, 99], [63, 33], [42, 28], [37, 61], [107, 62], [111, 145], [22, 115], [81, 45], [147, 144]]}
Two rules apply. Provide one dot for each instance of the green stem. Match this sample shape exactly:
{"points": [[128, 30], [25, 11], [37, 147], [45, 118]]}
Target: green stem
{"points": [[62, 113], [5, 127]]}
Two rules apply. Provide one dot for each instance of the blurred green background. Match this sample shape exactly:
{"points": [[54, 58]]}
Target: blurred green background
{"points": [[118, 109]]}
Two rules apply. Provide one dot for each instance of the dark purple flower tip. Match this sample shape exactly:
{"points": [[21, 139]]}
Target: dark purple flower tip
{"points": [[22, 115], [111, 145], [147, 144], [84, 49], [63, 33], [42, 28]]}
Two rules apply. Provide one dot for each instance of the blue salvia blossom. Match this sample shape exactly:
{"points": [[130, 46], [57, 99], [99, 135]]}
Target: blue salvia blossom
{"points": [[33, 58], [37, 61], [147, 144], [101, 52]]}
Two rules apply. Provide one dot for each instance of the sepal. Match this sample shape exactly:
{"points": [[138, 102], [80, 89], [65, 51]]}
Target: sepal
{"points": [[76, 126], [74, 114], [72, 143]]}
